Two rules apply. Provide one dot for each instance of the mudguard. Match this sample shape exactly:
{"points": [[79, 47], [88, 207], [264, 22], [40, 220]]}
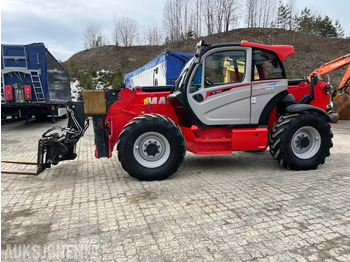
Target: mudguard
{"points": [[297, 108]]}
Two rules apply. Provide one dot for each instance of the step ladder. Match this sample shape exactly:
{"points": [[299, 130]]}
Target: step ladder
{"points": [[37, 86]]}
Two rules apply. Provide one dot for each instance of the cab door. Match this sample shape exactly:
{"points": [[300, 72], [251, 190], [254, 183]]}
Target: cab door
{"points": [[219, 88], [268, 80]]}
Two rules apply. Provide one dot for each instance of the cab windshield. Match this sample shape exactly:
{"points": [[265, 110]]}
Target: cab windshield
{"points": [[181, 79]]}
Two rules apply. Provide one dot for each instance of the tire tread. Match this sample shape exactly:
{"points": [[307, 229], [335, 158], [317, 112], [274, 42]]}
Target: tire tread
{"points": [[277, 140], [151, 119]]}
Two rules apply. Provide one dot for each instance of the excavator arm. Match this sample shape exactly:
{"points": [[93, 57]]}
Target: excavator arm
{"points": [[346, 79], [334, 65]]}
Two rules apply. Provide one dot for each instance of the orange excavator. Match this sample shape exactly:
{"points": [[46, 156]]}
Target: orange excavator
{"points": [[341, 95]]}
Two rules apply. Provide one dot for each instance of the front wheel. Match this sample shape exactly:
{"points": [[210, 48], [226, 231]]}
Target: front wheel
{"points": [[151, 147], [301, 141]]}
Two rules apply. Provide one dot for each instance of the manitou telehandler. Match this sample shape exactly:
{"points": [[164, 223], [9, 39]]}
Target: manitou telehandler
{"points": [[227, 97]]}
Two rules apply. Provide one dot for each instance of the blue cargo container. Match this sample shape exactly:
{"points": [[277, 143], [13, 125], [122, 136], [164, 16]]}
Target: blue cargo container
{"points": [[32, 82], [161, 71]]}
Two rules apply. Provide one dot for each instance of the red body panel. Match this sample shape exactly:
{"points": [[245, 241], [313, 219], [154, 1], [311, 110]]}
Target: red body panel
{"points": [[321, 98], [131, 104], [208, 141], [281, 50], [213, 141], [249, 138]]}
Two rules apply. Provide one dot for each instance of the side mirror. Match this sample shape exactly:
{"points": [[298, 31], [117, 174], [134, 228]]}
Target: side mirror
{"points": [[314, 80], [199, 50], [197, 59], [121, 86], [327, 78]]}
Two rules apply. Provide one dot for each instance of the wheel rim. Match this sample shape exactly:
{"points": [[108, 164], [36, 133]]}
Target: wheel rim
{"points": [[306, 142], [151, 149]]}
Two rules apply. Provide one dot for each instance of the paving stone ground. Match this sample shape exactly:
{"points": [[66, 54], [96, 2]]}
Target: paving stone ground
{"points": [[239, 207]]}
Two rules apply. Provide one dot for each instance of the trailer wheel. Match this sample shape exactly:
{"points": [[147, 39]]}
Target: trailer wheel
{"points": [[151, 147], [301, 141]]}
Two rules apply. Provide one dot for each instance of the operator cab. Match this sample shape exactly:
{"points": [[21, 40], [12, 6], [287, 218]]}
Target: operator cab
{"points": [[229, 84]]}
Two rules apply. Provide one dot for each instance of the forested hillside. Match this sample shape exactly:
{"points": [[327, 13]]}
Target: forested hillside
{"points": [[311, 52]]}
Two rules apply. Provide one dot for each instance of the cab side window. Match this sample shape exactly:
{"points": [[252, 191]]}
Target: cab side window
{"points": [[197, 80], [224, 67], [266, 65]]}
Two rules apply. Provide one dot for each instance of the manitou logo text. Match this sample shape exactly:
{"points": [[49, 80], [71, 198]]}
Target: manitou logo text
{"points": [[155, 100]]}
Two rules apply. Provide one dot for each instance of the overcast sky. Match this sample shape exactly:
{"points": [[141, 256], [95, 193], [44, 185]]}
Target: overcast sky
{"points": [[60, 23]]}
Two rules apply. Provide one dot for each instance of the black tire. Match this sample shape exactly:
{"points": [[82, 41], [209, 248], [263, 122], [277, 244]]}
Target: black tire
{"points": [[301, 141], [151, 147]]}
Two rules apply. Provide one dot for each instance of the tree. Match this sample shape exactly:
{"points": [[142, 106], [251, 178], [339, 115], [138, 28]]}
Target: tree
{"points": [[230, 16], [209, 16], [339, 29], [188, 35], [292, 15], [176, 17], [218, 15], [283, 16], [306, 22], [223, 14], [125, 30], [267, 13], [260, 13], [152, 35], [93, 37], [171, 21], [73, 70], [321, 26], [183, 19], [324, 27], [250, 15], [197, 17]]}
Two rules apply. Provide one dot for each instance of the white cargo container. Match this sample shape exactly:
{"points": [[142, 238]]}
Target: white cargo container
{"points": [[161, 71]]}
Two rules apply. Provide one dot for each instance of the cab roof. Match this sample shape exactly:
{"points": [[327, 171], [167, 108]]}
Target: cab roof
{"points": [[281, 50]]}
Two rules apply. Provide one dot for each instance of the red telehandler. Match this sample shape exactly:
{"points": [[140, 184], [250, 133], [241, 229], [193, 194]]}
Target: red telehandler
{"points": [[227, 97]]}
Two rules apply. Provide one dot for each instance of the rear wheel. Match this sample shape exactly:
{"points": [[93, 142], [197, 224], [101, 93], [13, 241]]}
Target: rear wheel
{"points": [[301, 141], [151, 147]]}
